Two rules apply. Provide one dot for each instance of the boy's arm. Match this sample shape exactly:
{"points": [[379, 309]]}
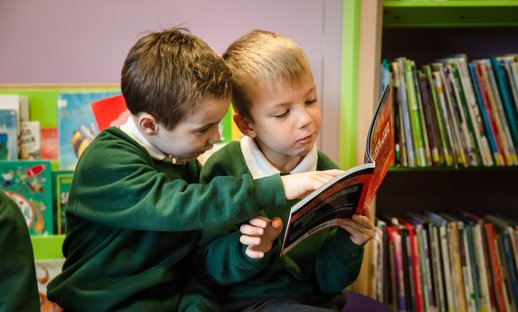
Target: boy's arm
{"points": [[223, 256], [131, 193], [344, 252]]}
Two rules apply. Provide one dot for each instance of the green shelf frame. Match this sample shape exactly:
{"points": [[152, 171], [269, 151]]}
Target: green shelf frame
{"points": [[447, 14], [47, 247]]}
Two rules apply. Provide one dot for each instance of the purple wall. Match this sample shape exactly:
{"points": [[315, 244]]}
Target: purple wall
{"points": [[67, 41]]}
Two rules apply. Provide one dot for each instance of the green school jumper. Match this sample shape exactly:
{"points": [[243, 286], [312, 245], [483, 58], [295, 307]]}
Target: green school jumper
{"points": [[18, 287], [132, 220], [322, 265]]}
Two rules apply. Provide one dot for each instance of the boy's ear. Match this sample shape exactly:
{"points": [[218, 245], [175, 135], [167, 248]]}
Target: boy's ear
{"points": [[244, 125], [148, 124]]}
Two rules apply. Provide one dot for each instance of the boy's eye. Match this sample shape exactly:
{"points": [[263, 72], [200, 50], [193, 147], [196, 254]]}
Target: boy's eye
{"points": [[311, 102], [204, 130], [281, 115]]}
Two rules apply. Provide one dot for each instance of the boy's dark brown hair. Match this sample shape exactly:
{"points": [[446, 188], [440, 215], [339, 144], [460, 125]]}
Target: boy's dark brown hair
{"points": [[166, 74]]}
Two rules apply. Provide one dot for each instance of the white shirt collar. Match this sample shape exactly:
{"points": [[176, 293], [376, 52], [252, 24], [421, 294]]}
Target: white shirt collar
{"points": [[130, 128], [260, 167]]}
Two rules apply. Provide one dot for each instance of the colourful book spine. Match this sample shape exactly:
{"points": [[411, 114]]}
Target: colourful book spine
{"points": [[492, 109], [511, 150], [407, 126], [446, 149], [505, 93], [414, 114], [485, 116], [457, 152], [430, 121]]}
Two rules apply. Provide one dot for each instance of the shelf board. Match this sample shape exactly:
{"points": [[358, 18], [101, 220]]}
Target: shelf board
{"points": [[442, 14], [47, 247], [453, 169]]}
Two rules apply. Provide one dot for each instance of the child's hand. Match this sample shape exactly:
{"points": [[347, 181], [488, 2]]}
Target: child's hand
{"points": [[361, 228], [259, 235], [298, 185]]}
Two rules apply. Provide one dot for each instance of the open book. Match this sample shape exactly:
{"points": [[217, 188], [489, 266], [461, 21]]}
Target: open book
{"points": [[351, 191]]}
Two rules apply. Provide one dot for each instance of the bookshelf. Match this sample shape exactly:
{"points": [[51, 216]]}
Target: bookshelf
{"points": [[423, 31], [43, 107]]}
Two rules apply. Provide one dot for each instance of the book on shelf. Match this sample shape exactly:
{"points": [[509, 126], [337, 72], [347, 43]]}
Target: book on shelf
{"points": [[109, 111], [76, 124], [8, 134], [30, 140], [455, 112], [61, 183], [351, 191], [18, 103], [49, 143], [29, 184]]}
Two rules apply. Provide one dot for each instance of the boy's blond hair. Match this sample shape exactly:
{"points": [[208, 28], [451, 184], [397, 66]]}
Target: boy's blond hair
{"points": [[168, 73], [262, 56]]}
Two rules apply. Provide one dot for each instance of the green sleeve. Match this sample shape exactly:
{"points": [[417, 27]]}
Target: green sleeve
{"points": [[223, 256], [116, 183], [338, 263], [18, 287]]}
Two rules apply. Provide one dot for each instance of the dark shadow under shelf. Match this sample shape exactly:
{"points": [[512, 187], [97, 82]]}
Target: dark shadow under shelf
{"points": [[478, 190]]}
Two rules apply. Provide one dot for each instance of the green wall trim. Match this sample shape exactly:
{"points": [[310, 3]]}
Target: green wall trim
{"points": [[47, 247], [349, 83]]}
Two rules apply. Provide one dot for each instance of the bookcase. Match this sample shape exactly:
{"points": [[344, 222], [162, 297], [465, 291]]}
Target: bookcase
{"points": [[424, 31]]}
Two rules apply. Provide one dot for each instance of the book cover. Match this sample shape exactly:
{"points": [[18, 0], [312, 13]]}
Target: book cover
{"points": [[61, 182], [109, 111], [76, 125], [29, 184], [349, 192], [12, 102], [49, 143], [30, 140], [8, 134]]}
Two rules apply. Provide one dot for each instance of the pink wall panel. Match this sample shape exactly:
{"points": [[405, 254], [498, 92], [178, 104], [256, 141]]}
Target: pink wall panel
{"points": [[71, 41]]}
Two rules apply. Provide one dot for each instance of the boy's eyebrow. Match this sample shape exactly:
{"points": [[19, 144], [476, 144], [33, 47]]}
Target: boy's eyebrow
{"points": [[206, 125]]}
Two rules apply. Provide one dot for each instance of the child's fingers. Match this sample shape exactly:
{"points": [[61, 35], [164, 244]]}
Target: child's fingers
{"points": [[250, 240], [248, 229], [277, 223], [254, 254], [260, 222]]}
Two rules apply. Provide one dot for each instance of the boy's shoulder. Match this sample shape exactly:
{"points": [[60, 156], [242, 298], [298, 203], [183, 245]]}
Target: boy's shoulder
{"points": [[324, 162], [228, 160]]}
